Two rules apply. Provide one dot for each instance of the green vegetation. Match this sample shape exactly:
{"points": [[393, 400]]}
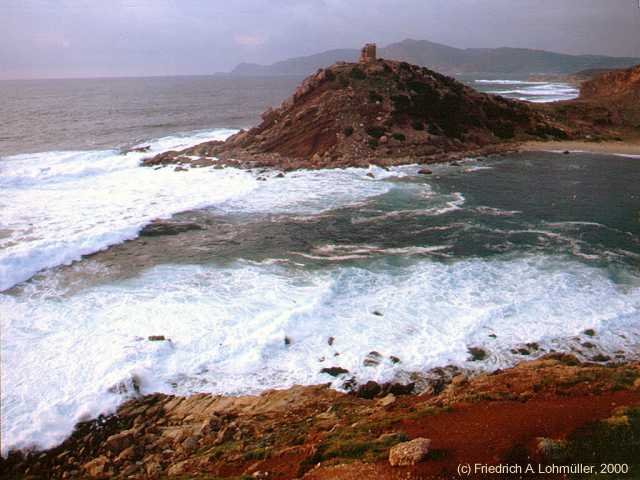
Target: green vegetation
{"points": [[398, 136], [375, 131], [348, 131], [357, 74]]}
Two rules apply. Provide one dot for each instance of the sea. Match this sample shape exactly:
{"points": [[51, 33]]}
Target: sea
{"points": [[532, 252]]}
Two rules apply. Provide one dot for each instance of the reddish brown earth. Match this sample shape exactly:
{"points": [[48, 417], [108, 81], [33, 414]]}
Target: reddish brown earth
{"points": [[551, 410]]}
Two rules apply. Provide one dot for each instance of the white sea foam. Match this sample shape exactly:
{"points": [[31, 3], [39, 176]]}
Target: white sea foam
{"points": [[508, 82], [63, 350], [58, 206]]}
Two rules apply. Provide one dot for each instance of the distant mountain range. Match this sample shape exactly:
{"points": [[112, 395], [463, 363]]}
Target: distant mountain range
{"points": [[450, 60]]}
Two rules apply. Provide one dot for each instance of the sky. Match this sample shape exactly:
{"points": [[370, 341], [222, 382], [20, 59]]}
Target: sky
{"points": [[93, 38]]}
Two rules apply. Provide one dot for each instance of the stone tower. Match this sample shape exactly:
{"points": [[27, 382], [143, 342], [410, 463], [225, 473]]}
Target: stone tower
{"points": [[368, 53]]}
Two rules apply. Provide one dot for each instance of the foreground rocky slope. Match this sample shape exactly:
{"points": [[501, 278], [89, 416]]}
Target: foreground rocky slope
{"points": [[382, 112], [549, 411]]}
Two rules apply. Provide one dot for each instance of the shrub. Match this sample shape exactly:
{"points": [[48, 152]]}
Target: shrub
{"points": [[399, 136], [374, 96], [348, 131], [375, 131], [401, 103], [329, 75], [417, 125], [358, 74], [373, 143]]}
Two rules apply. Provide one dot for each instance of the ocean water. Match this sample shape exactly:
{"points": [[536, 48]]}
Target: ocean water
{"points": [[531, 91], [495, 253]]}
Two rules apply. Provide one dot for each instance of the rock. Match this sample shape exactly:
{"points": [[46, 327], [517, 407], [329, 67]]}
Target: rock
{"points": [[371, 175], [455, 164], [130, 469], [191, 443], [118, 442], [128, 453], [280, 175], [287, 341], [369, 390], [477, 354], [409, 453], [567, 152], [156, 338], [377, 313], [399, 388], [180, 168], [383, 139], [331, 340], [425, 171], [590, 332], [394, 359], [372, 359], [388, 400], [96, 467], [143, 149], [334, 371], [166, 227]]}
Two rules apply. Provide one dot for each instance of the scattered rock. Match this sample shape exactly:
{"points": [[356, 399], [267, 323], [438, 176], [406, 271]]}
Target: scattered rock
{"points": [[334, 371], [166, 227], [118, 442], [372, 359], [394, 359], [331, 340], [477, 354], [388, 400], [600, 358], [96, 467], [180, 168], [409, 453], [369, 390], [371, 175]]}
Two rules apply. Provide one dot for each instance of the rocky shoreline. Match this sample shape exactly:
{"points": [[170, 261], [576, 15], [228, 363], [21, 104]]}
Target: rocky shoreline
{"points": [[553, 410]]}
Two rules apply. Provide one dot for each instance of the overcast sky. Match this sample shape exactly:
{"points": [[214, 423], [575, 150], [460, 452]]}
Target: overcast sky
{"points": [[84, 38]]}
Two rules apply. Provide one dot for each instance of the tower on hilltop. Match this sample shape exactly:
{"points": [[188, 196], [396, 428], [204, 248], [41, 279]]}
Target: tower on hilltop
{"points": [[368, 53]]}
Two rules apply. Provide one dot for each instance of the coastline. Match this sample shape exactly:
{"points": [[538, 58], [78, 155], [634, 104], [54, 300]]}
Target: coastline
{"points": [[630, 147], [315, 432]]}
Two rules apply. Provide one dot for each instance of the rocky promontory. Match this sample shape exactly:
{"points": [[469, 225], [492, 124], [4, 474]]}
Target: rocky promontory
{"points": [[378, 112]]}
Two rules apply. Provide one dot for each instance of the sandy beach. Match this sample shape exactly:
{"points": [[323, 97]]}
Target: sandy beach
{"points": [[627, 147]]}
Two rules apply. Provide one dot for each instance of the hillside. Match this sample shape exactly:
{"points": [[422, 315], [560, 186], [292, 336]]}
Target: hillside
{"points": [[609, 101], [450, 60], [383, 112]]}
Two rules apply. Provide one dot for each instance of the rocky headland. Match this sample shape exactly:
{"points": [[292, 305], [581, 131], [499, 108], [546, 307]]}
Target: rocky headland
{"points": [[386, 112]]}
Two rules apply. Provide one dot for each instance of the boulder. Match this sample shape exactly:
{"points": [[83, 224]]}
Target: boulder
{"points": [[334, 371], [409, 453], [165, 227], [96, 467], [118, 442], [372, 359]]}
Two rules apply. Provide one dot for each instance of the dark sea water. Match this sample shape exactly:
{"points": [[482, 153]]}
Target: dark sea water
{"points": [[87, 114], [494, 253]]}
